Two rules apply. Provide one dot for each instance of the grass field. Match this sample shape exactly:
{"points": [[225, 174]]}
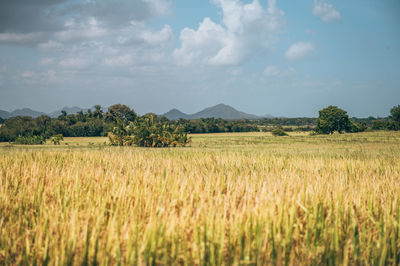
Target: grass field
{"points": [[226, 199]]}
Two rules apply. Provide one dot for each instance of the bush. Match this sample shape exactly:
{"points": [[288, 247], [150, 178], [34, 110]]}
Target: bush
{"points": [[356, 127], [30, 140], [56, 139], [278, 131], [380, 124]]}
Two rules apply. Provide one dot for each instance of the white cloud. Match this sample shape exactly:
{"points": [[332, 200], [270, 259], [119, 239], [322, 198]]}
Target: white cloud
{"points": [[139, 45], [90, 29], [118, 61], [27, 74], [299, 50], [74, 63], [20, 38], [160, 7], [50, 45], [160, 38], [50, 75], [274, 71], [33, 77], [46, 61], [325, 11], [245, 28]]}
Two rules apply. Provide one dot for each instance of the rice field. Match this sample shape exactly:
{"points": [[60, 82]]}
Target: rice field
{"points": [[226, 199]]}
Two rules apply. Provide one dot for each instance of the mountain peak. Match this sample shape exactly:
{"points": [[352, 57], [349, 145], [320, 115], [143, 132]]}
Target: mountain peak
{"points": [[218, 111], [175, 114]]}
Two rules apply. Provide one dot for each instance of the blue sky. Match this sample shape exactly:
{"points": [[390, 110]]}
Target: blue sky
{"points": [[285, 58]]}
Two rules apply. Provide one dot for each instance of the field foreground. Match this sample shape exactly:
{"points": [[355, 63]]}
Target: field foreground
{"points": [[225, 199]]}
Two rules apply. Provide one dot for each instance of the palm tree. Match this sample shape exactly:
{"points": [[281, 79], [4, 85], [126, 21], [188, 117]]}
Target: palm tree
{"points": [[98, 113]]}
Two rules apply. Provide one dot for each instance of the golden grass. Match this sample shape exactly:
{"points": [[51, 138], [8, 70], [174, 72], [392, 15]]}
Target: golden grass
{"points": [[227, 199]]}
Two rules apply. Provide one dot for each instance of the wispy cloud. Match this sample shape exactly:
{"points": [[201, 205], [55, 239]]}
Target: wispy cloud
{"points": [[299, 50], [325, 11]]}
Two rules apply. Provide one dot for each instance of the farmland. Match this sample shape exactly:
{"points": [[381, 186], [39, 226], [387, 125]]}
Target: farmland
{"points": [[238, 198]]}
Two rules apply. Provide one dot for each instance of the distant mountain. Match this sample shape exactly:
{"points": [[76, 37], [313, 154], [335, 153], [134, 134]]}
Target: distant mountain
{"points": [[175, 114], [34, 114], [218, 111], [4, 114], [69, 110], [26, 112], [268, 116]]}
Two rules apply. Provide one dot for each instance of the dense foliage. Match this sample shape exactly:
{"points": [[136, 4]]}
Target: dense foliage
{"points": [[217, 125], [30, 140], [395, 118], [332, 119], [98, 123], [147, 131]]}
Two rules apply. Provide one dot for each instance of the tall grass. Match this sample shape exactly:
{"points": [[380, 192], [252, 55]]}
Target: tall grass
{"points": [[251, 200]]}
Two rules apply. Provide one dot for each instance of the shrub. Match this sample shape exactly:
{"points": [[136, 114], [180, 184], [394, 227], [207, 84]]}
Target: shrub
{"points": [[56, 139], [30, 140], [355, 127], [380, 124], [278, 131]]}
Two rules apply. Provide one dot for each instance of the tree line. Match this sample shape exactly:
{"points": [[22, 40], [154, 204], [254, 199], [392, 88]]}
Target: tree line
{"points": [[158, 131], [99, 123], [333, 119]]}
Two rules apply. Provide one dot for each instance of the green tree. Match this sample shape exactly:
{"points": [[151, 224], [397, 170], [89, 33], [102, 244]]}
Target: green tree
{"points": [[120, 134], [80, 116], [120, 111], [395, 118], [332, 119], [98, 113], [63, 115]]}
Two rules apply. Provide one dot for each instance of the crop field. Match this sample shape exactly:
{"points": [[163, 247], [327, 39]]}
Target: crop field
{"points": [[241, 199]]}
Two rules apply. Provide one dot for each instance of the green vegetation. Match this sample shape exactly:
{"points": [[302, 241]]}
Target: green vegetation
{"points": [[56, 139], [30, 140], [332, 119], [395, 118], [278, 131], [146, 131], [226, 199], [96, 123]]}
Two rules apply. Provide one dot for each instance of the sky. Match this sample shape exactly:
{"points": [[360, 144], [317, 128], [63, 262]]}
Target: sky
{"points": [[283, 58]]}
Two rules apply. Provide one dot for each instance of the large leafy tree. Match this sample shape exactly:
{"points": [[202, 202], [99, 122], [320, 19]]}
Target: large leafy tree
{"points": [[332, 119], [120, 111]]}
